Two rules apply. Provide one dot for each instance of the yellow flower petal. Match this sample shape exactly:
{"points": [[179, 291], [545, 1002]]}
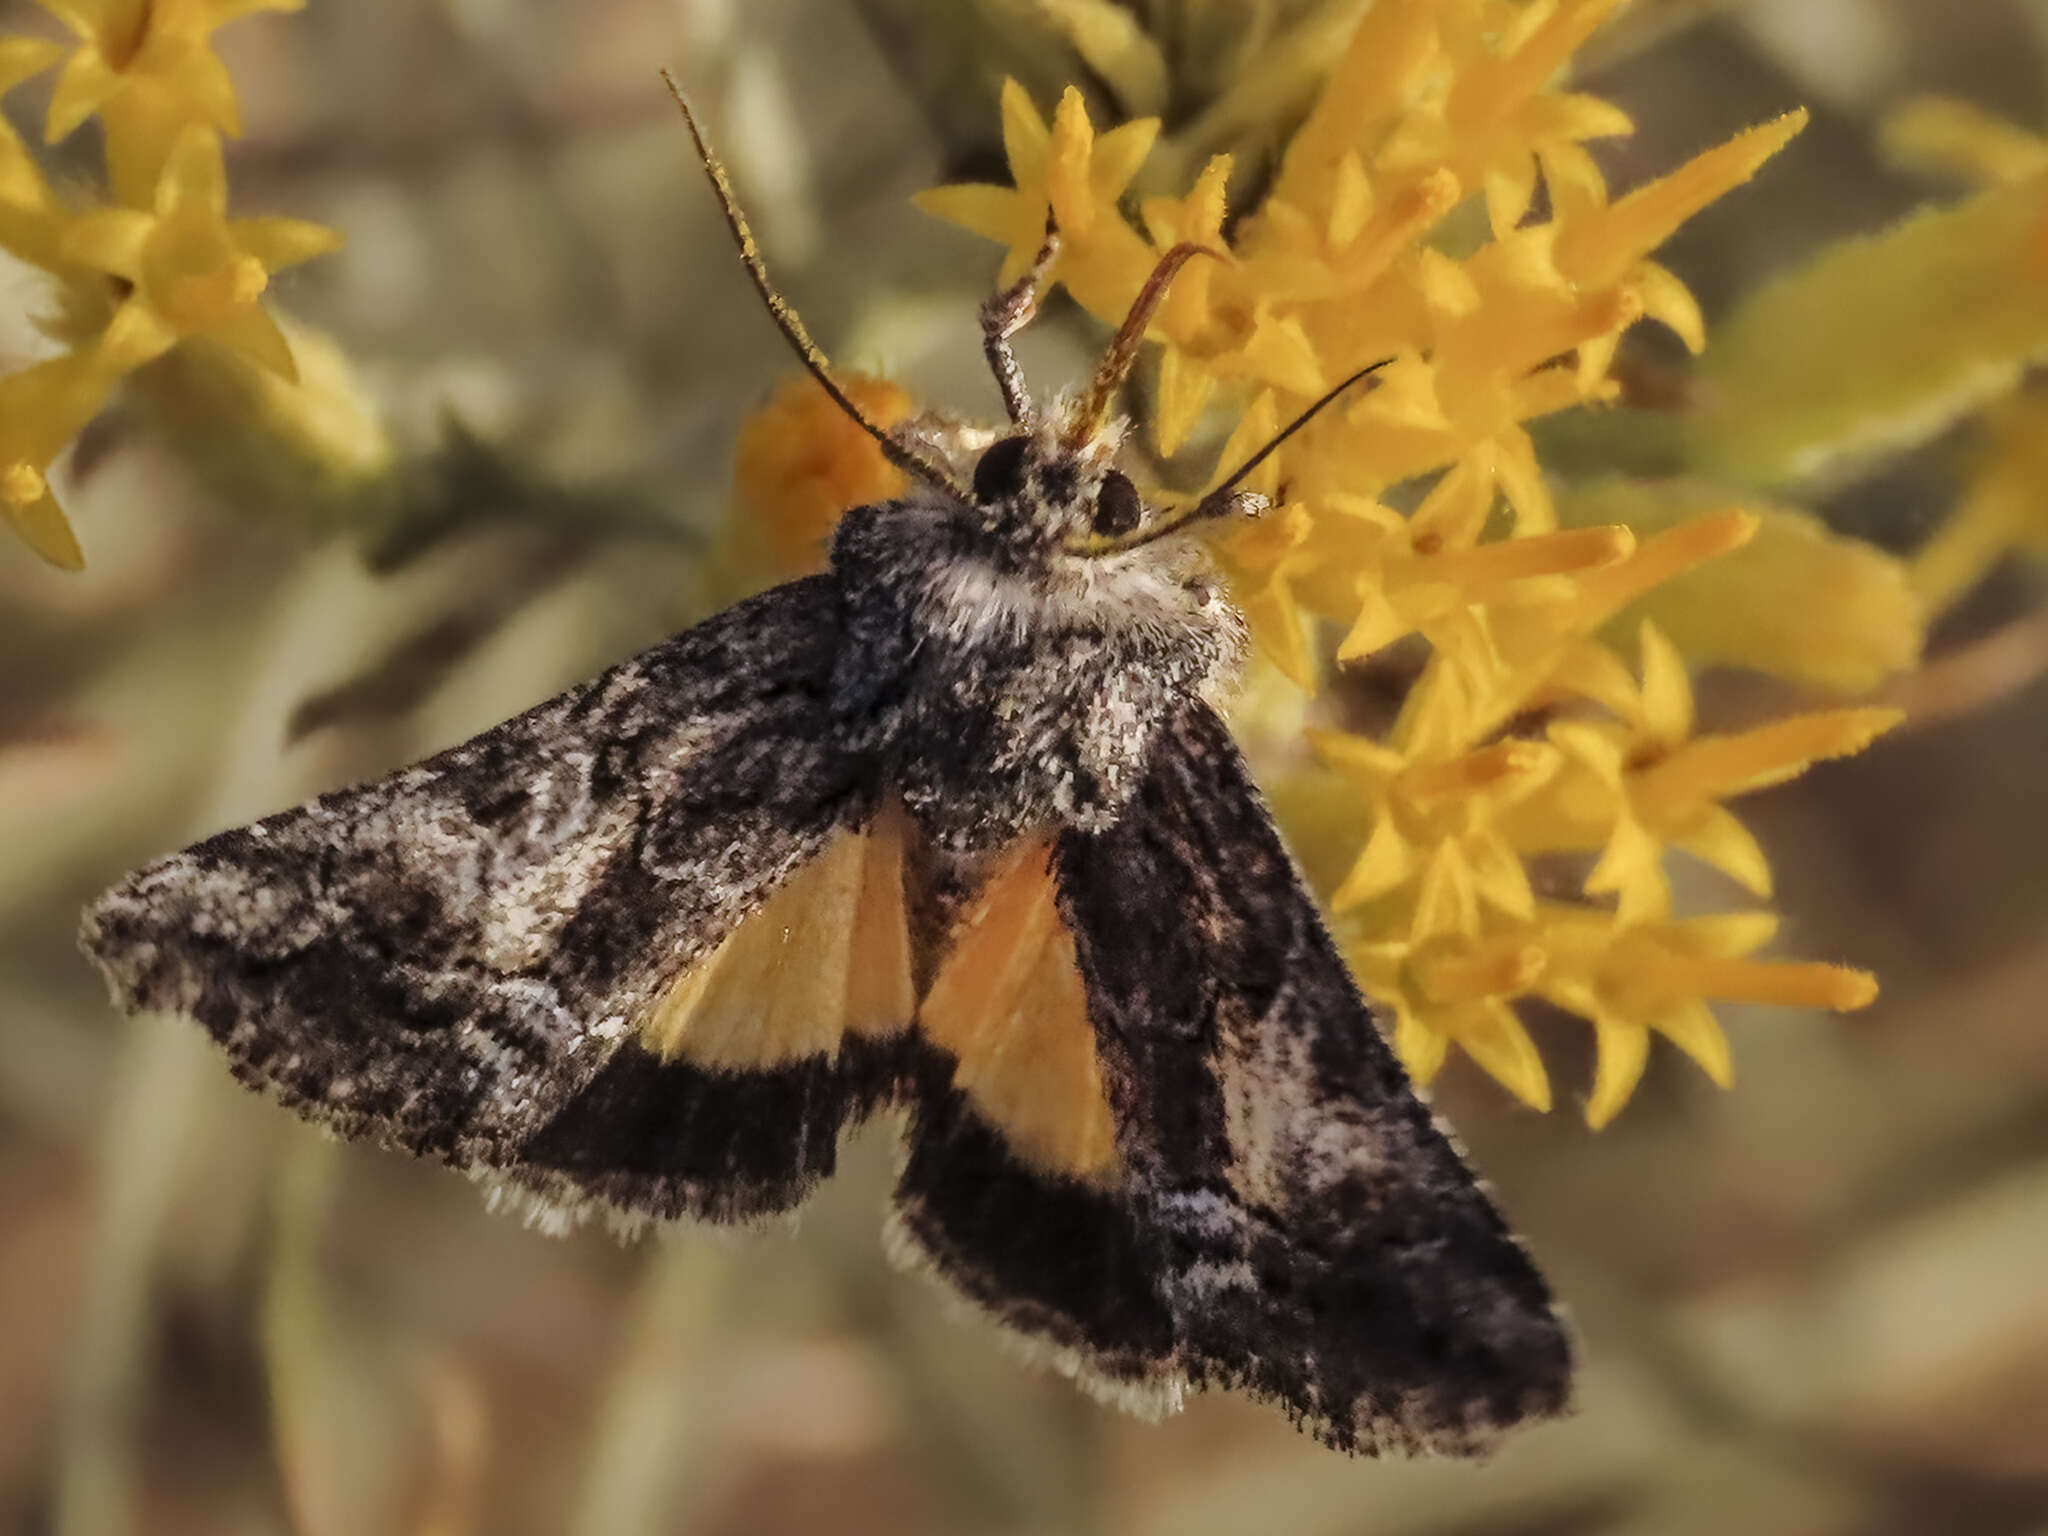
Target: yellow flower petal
{"points": [[1598, 250], [279, 243], [251, 331], [1719, 838], [1520, 478], [135, 336], [988, 211], [1624, 1050], [1591, 746], [1508, 191], [1447, 288], [1253, 431], [205, 90], [1715, 767], [37, 520], [1447, 902], [1386, 862], [86, 85], [1494, 1038], [1668, 300], [1025, 136], [1422, 1050], [1490, 88], [1281, 630], [194, 177], [1631, 868], [1358, 756], [1118, 154], [1592, 671], [1185, 388], [1692, 1027], [1498, 875], [1351, 201], [1574, 181], [1068, 182], [1667, 688], [1279, 353], [24, 57], [1656, 560], [1481, 572]]}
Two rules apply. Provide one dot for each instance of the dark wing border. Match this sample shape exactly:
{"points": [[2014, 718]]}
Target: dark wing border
{"points": [[1327, 1248]]}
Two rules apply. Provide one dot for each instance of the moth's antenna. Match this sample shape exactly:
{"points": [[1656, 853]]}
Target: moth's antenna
{"points": [[1006, 312], [785, 317], [1123, 350], [1237, 476], [1225, 497]]}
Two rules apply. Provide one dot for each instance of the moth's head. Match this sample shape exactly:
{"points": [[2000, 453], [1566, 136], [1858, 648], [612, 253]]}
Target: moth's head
{"points": [[1038, 493]]}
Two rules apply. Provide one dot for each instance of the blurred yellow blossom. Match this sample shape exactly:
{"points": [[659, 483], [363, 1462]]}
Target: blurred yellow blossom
{"points": [[147, 69], [42, 407], [160, 263], [799, 463], [187, 269], [2003, 507]]}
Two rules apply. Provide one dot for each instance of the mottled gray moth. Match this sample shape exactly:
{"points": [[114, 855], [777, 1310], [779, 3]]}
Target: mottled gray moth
{"points": [[954, 827]]}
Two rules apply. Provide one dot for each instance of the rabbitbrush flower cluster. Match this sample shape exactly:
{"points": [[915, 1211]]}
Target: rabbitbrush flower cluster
{"points": [[1513, 826]]}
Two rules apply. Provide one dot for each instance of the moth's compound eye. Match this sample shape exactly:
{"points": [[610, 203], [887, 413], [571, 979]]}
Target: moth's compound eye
{"points": [[1118, 510], [1000, 474]]}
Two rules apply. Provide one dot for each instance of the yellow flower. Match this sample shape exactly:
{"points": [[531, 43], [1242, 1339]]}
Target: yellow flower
{"points": [[190, 270], [1459, 991], [1635, 787], [42, 408], [147, 68], [1434, 823], [1657, 977], [1065, 169], [800, 462]]}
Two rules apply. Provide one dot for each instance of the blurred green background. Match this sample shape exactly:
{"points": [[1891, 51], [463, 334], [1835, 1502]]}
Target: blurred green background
{"points": [[1815, 1304]]}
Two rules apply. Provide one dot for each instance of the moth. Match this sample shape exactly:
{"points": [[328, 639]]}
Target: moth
{"points": [[956, 828]]}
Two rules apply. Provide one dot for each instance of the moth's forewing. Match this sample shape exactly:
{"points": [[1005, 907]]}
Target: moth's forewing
{"points": [[1322, 1244], [456, 959]]}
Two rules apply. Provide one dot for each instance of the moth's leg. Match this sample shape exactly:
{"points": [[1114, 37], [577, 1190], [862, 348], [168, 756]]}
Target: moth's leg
{"points": [[1006, 312]]}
